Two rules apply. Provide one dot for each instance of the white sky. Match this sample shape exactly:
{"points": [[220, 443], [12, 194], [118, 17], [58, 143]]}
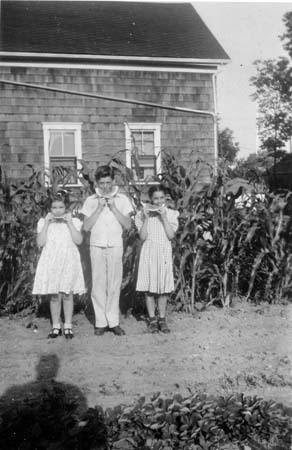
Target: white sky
{"points": [[247, 31]]}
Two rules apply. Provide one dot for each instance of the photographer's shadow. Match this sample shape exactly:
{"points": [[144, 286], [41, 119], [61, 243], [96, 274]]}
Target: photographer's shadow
{"points": [[46, 413], [45, 383]]}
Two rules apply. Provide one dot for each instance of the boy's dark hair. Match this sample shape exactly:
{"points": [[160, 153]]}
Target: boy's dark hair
{"points": [[157, 188], [60, 196], [102, 172]]}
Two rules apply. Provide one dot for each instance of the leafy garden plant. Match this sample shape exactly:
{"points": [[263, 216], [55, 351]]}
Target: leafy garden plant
{"points": [[199, 422]]}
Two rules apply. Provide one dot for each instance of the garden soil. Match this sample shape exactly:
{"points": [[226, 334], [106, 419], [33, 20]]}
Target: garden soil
{"points": [[243, 348]]}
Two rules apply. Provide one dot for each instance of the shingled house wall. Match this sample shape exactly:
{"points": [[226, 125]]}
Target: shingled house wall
{"points": [[22, 111]]}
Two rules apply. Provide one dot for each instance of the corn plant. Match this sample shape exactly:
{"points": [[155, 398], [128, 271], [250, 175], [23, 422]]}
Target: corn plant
{"points": [[220, 252]]}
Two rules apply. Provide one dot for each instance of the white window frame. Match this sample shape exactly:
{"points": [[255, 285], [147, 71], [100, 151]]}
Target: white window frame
{"points": [[68, 126], [144, 126]]}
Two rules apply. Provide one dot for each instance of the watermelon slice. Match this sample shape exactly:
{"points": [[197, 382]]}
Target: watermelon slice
{"points": [[106, 196], [152, 208], [59, 219]]}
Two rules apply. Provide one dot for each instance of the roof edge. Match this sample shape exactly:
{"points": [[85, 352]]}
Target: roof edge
{"points": [[118, 58]]}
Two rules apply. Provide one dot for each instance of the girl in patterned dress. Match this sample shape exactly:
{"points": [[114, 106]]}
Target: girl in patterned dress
{"points": [[59, 271], [155, 273]]}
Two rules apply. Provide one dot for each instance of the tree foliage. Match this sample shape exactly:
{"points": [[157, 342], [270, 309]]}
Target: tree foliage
{"points": [[287, 36], [227, 147], [273, 88], [255, 166]]}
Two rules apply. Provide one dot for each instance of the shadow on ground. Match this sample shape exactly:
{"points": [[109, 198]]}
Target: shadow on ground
{"points": [[47, 414]]}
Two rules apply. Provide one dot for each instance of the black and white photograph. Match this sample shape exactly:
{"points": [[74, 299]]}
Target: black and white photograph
{"points": [[145, 225]]}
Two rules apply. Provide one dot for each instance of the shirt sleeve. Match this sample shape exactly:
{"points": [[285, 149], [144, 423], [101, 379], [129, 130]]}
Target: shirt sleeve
{"points": [[77, 223], [40, 225], [172, 217], [87, 209], [139, 220], [127, 207]]}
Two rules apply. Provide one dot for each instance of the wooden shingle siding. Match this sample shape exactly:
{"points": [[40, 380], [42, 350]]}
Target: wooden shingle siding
{"points": [[22, 111]]}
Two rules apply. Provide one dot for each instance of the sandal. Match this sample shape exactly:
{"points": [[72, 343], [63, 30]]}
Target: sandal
{"points": [[54, 333], [68, 333], [163, 326], [152, 325]]}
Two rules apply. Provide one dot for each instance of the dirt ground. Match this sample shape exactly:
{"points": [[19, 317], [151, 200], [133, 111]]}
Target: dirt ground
{"points": [[241, 349]]}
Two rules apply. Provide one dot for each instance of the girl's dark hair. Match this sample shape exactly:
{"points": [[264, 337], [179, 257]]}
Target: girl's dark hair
{"points": [[157, 188], [102, 172], [60, 196]]}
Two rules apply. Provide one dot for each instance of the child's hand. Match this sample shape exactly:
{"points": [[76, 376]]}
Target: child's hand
{"points": [[111, 203], [49, 218], [162, 211], [68, 218], [101, 203], [145, 213]]}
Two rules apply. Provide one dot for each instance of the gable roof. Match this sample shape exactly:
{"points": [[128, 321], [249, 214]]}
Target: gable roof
{"points": [[107, 29]]}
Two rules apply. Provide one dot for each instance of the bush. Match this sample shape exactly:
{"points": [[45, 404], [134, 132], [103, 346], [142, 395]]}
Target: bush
{"points": [[197, 422]]}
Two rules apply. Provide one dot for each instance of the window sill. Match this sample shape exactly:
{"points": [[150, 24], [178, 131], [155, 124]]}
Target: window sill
{"points": [[143, 183]]}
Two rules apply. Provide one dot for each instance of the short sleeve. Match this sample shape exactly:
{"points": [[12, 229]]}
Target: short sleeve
{"points": [[40, 225], [77, 223], [86, 210], [173, 218], [127, 207], [139, 220]]}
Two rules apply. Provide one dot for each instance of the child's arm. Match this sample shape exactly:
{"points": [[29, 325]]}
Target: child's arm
{"points": [[90, 221], [143, 229], [42, 235], [125, 221], [75, 234], [170, 233]]}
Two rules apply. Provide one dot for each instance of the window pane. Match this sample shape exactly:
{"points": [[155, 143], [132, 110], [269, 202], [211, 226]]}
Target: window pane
{"points": [[148, 136], [137, 141], [69, 143], [143, 142], [62, 143], [148, 148], [148, 143], [55, 143]]}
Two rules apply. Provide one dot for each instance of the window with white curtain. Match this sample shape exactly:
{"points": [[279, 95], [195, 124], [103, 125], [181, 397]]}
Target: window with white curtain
{"points": [[143, 150], [62, 150]]}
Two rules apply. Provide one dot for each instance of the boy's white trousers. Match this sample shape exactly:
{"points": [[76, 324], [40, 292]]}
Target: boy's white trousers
{"points": [[107, 273]]}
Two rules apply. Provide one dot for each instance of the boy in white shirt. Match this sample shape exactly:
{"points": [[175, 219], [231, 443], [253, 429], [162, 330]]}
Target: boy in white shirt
{"points": [[106, 213]]}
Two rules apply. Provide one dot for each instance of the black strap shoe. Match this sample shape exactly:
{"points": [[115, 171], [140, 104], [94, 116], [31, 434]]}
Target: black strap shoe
{"points": [[118, 331], [68, 333], [99, 331], [54, 333], [163, 326], [153, 325]]}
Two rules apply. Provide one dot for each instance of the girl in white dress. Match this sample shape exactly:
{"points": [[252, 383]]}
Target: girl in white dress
{"points": [[59, 271], [157, 225]]}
